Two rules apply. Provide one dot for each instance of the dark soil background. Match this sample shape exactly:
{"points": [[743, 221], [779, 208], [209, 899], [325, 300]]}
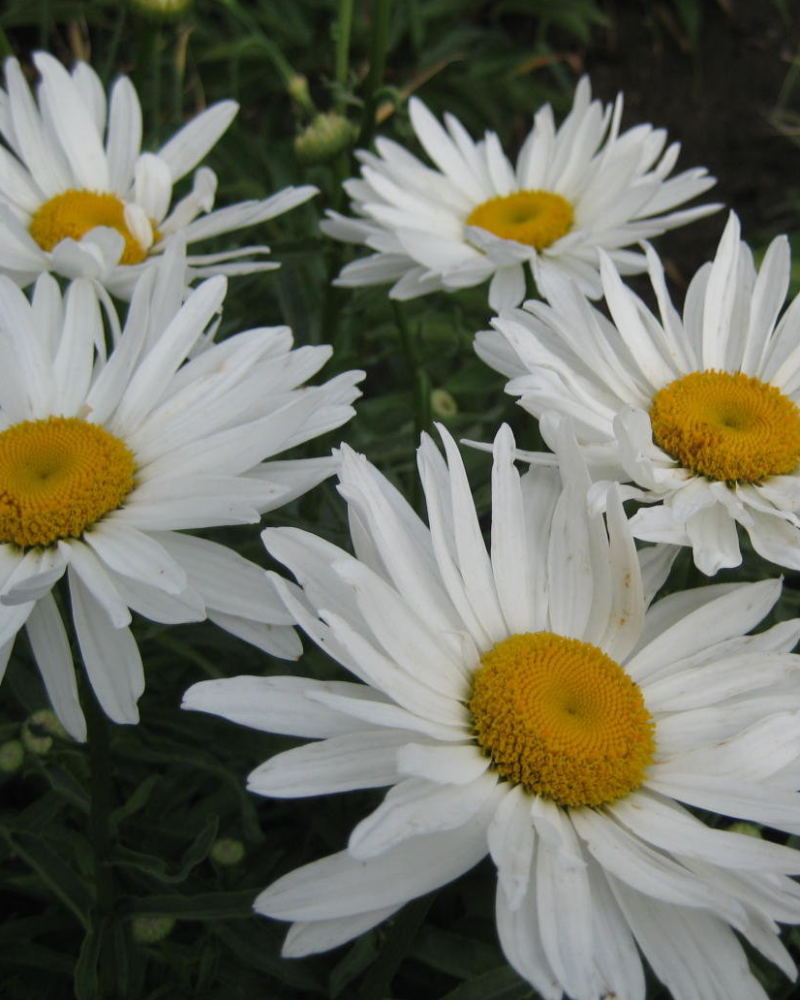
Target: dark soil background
{"points": [[720, 95]]}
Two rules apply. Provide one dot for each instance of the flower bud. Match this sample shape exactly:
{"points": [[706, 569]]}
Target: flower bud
{"points": [[328, 135]]}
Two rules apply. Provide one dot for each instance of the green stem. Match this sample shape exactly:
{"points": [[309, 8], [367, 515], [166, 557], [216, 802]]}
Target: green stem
{"points": [[344, 24], [377, 65], [112, 49], [283, 67], [101, 796], [420, 387]]}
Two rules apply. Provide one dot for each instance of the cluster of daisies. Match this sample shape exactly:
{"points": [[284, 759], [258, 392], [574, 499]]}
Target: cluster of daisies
{"points": [[529, 700]]}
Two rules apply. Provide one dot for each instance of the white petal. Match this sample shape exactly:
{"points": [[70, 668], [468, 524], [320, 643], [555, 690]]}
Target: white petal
{"points": [[277, 704], [340, 886], [367, 759], [50, 647], [110, 655], [511, 843]]}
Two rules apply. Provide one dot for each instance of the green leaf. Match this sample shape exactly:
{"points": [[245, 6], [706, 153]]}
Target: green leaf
{"points": [[54, 872], [254, 955], [499, 984], [361, 954], [87, 980], [156, 867], [67, 786], [137, 799], [30, 954], [203, 906], [454, 954], [378, 980]]}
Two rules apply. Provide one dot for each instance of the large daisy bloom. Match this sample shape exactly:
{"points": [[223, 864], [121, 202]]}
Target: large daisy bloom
{"points": [[526, 703], [574, 190], [78, 197], [700, 412], [104, 460]]}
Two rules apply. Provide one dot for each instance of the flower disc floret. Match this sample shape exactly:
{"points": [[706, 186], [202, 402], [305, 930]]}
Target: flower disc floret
{"points": [[536, 218], [562, 719], [727, 426], [75, 213], [57, 477]]}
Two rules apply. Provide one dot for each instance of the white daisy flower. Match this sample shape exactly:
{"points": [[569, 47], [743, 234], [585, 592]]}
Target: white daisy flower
{"points": [[526, 703], [103, 462], [700, 413], [78, 197], [574, 190]]}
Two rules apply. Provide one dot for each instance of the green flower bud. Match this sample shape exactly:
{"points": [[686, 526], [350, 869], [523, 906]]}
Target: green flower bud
{"points": [[328, 135], [443, 404], [39, 729], [161, 10], [12, 754], [227, 851], [151, 930]]}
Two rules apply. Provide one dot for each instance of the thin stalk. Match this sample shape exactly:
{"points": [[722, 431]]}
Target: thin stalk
{"points": [[344, 24], [282, 65], [101, 802], [112, 48], [377, 65], [420, 384]]}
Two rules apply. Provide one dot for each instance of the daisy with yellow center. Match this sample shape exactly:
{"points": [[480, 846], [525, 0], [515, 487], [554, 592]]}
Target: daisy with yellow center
{"points": [[80, 198], [108, 463], [699, 414], [574, 190], [526, 703]]}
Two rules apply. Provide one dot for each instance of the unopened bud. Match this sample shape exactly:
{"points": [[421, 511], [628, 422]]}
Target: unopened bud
{"points": [[12, 754], [298, 91], [161, 10], [227, 851], [443, 404], [39, 730], [151, 930], [328, 135]]}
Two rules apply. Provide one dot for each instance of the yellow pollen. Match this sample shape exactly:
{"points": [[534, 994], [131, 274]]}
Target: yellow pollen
{"points": [[537, 218], [74, 213], [727, 426], [57, 477], [562, 719]]}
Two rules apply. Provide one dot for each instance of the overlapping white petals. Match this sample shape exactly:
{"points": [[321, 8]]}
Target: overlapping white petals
{"points": [[74, 140], [416, 218], [572, 881], [201, 433], [731, 322]]}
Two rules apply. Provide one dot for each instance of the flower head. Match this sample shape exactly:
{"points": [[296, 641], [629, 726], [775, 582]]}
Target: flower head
{"points": [[700, 413], [78, 197], [529, 704], [104, 461], [574, 190]]}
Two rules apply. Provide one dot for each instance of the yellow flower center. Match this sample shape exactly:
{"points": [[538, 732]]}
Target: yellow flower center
{"points": [[537, 218], [74, 213], [562, 719], [57, 477], [728, 426]]}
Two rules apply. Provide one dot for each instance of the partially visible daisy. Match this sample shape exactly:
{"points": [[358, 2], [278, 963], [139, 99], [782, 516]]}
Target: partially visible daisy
{"points": [[527, 704], [574, 190], [699, 413], [78, 197], [104, 463]]}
